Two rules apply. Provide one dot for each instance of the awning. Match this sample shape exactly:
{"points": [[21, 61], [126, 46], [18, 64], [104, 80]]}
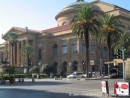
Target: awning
{"points": [[116, 61]]}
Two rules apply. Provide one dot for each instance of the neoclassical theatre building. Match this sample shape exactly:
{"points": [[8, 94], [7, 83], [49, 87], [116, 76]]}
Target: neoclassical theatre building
{"points": [[58, 45]]}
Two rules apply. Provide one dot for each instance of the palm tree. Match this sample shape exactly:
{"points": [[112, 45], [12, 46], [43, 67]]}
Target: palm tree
{"points": [[83, 24], [27, 51], [110, 31], [12, 38], [123, 41]]}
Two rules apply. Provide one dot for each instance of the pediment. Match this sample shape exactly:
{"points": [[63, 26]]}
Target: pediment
{"points": [[14, 29], [19, 31]]}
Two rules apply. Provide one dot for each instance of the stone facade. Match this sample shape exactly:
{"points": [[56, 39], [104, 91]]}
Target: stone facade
{"points": [[48, 44]]}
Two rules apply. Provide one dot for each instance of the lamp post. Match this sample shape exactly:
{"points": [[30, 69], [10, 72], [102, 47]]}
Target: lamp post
{"points": [[84, 67]]}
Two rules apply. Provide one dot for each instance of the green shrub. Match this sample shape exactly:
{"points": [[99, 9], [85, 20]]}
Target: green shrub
{"points": [[10, 70], [34, 69], [61, 71], [46, 68], [0, 78], [5, 76]]}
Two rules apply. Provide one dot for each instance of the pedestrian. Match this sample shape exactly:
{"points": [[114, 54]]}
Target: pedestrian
{"points": [[89, 74]]}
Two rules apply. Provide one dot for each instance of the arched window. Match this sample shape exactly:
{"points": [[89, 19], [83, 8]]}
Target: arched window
{"points": [[64, 66], [64, 23], [83, 48], [92, 47], [74, 64], [74, 46], [55, 64], [55, 49], [64, 48], [105, 51]]}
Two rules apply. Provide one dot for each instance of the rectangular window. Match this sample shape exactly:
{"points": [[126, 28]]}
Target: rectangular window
{"points": [[40, 54]]}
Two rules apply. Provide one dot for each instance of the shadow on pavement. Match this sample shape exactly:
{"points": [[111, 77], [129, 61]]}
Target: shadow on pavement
{"points": [[28, 93], [28, 83]]}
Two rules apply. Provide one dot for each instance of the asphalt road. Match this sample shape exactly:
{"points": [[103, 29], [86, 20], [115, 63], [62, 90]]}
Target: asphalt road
{"points": [[50, 88]]}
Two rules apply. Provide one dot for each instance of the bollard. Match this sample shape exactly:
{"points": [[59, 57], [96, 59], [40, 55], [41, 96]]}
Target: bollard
{"points": [[33, 79], [22, 79], [55, 78], [19, 80], [60, 77], [3, 81]]}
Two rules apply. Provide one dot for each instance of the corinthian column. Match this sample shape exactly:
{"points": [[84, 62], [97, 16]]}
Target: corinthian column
{"points": [[18, 55], [22, 58], [5, 52], [10, 54]]}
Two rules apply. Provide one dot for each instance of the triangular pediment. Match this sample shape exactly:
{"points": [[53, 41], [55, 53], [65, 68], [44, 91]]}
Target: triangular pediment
{"points": [[14, 29], [19, 31]]}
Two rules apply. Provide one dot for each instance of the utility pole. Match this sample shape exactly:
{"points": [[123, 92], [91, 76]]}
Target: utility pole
{"points": [[122, 54]]}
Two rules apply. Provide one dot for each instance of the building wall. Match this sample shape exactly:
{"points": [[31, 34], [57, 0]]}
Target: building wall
{"points": [[45, 42]]}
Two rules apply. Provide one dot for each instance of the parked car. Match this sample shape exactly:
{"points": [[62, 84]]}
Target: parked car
{"points": [[76, 75], [113, 74]]}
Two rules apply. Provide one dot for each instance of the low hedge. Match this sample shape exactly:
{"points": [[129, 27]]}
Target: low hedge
{"points": [[29, 75], [6, 76]]}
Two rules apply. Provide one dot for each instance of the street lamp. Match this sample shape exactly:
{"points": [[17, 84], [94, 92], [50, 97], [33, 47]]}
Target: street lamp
{"points": [[70, 64], [39, 63], [84, 67]]}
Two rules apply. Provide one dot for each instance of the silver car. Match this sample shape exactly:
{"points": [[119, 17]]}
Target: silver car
{"points": [[76, 75]]}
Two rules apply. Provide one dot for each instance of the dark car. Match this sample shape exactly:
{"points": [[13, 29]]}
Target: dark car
{"points": [[115, 74]]}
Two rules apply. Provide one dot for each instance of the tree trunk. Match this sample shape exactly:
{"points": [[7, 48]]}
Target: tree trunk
{"points": [[87, 51], [109, 51], [28, 64]]}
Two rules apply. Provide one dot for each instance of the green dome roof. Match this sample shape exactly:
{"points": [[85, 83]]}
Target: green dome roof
{"points": [[72, 7], [75, 5]]}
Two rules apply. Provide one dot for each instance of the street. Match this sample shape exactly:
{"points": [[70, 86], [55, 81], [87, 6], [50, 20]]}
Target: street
{"points": [[50, 88]]}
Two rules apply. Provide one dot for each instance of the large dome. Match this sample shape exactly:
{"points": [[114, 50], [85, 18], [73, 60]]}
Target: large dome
{"points": [[66, 14], [74, 5]]}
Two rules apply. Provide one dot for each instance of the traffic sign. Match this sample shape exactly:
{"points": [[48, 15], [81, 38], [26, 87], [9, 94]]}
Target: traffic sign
{"points": [[122, 88], [104, 87]]}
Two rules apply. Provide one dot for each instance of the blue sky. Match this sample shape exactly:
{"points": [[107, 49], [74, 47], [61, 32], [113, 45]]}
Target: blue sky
{"points": [[37, 14]]}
